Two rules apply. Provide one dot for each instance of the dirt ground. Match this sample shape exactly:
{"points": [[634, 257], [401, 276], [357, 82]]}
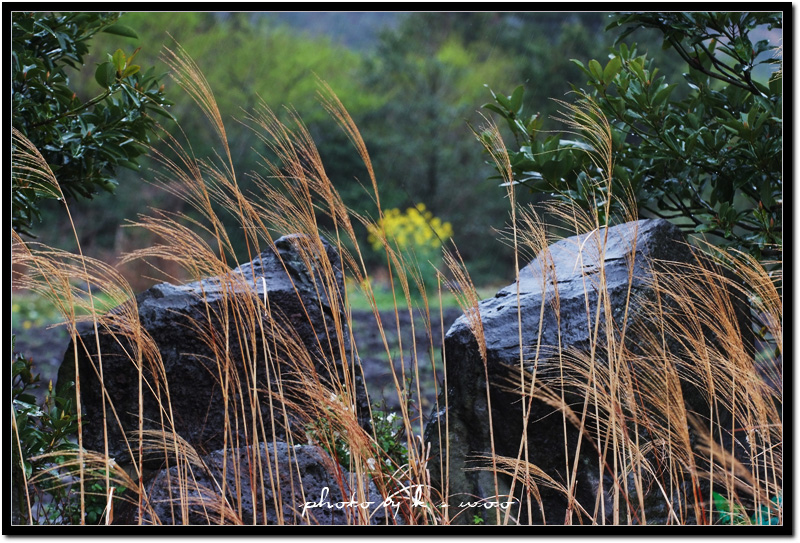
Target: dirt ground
{"points": [[420, 339]]}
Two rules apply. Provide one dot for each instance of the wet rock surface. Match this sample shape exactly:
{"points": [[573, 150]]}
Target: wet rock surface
{"points": [[268, 484], [210, 335], [572, 267]]}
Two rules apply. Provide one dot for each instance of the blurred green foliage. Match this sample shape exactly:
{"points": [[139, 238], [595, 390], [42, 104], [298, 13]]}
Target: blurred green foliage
{"points": [[413, 91], [387, 300], [247, 59], [29, 310], [432, 69], [83, 141], [711, 161]]}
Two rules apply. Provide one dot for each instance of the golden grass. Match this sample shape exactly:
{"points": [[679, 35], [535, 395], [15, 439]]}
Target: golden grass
{"points": [[695, 338]]}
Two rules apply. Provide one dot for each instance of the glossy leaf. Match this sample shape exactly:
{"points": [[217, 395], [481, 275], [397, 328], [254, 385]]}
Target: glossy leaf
{"points": [[80, 140], [105, 74], [612, 69], [121, 30], [119, 60]]}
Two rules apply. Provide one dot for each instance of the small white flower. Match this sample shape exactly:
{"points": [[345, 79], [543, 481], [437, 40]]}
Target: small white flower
{"points": [[371, 463]]}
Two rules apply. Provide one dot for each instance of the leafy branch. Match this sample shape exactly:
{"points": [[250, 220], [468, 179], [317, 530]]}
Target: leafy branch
{"points": [[710, 161]]}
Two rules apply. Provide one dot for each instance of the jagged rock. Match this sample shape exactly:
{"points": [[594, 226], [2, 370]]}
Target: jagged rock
{"points": [[272, 484], [573, 264], [199, 326]]}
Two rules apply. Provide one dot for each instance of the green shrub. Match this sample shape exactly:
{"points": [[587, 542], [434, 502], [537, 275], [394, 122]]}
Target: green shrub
{"points": [[712, 161], [83, 142], [44, 452], [387, 431]]}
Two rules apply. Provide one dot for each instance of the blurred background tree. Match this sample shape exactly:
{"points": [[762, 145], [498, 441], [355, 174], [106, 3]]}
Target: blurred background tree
{"points": [[414, 82]]}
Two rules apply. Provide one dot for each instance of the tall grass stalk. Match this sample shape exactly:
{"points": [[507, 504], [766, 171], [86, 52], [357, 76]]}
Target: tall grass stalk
{"points": [[649, 445], [629, 395]]}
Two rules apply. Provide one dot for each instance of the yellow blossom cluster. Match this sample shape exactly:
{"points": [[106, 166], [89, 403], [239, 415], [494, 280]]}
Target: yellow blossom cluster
{"points": [[416, 228]]}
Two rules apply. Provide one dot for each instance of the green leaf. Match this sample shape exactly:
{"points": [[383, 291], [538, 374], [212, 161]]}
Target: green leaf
{"points": [[662, 95], [580, 65], [776, 86], [668, 138], [596, 69], [637, 67], [516, 99], [534, 124], [105, 74], [612, 69], [164, 113], [130, 70], [505, 102], [492, 107], [121, 30], [119, 60]]}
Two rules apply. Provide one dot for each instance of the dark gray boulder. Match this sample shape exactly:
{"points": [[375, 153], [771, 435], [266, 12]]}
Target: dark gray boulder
{"points": [[572, 264], [267, 484], [211, 335]]}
